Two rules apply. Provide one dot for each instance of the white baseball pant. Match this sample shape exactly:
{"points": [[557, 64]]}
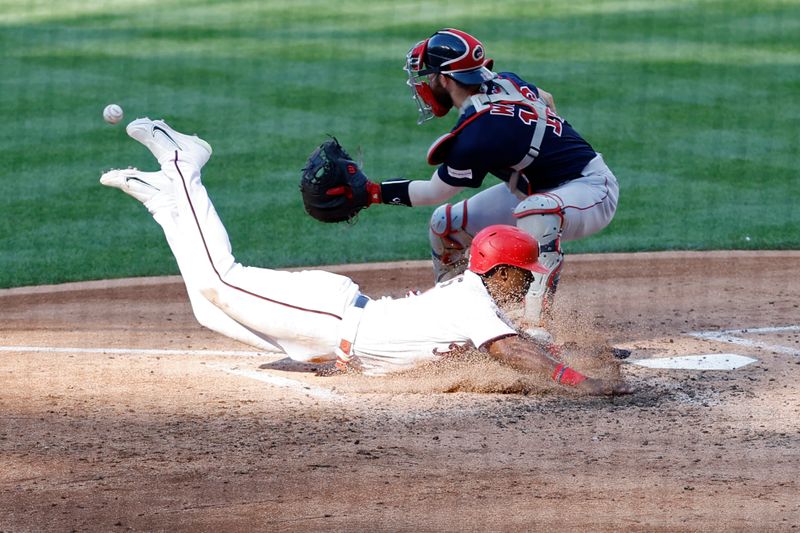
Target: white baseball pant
{"points": [[298, 313]]}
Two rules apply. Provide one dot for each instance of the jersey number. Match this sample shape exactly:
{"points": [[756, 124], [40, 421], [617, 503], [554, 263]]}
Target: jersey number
{"points": [[528, 116]]}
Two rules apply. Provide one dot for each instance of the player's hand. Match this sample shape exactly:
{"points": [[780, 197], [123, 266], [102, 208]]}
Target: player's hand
{"points": [[548, 99], [604, 387]]}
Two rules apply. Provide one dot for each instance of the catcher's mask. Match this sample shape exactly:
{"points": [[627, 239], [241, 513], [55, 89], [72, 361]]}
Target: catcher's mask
{"points": [[504, 245], [451, 52]]}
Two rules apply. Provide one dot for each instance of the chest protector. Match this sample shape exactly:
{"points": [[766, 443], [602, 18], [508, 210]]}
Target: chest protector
{"points": [[478, 104]]}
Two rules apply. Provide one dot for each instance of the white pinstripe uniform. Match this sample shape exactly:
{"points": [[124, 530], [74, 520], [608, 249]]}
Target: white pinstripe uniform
{"points": [[312, 313]]}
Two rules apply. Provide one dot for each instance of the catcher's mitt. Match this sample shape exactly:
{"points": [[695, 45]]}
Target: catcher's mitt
{"points": [[333, 187]]}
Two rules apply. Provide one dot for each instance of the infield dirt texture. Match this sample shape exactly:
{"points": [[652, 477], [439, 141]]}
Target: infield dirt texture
{"points": [[120, 413]]}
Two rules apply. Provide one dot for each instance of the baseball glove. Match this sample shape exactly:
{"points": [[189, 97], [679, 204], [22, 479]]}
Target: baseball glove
{"points": [[333, 186]]}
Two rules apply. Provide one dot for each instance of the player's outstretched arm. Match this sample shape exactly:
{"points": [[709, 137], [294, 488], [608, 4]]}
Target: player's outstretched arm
{"points": [[412, 192], [527, 356], [431, 192]]}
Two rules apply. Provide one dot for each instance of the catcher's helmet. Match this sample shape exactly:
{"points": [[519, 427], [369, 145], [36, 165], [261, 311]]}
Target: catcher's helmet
{"points": [[450, 52], [458, 55], [504, 245]]}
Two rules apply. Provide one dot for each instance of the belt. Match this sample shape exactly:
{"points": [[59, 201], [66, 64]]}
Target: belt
{"points": [[349, 329]]}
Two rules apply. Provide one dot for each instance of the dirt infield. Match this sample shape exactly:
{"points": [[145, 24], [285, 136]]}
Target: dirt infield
{"points": [[118, 412]]}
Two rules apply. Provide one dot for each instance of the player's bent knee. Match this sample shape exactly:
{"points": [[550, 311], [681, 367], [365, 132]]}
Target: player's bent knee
{"points": [[204, 311], [448, 227], [449, 240], [541, 216], [445, 219], [212, 295]]}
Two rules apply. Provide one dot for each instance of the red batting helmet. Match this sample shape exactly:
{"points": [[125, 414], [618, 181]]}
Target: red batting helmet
{"points": [[504, 245]]}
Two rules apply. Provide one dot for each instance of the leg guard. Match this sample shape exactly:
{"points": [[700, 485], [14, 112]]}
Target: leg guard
{"points": [[449, 241], [542, 216]]}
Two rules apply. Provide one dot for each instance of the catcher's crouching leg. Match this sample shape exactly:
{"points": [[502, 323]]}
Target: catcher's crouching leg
{"points": [[542, 216], [450, 241]]}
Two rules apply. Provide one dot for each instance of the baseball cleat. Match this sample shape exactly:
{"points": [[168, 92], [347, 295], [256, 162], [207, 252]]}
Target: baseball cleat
{"points": [[164, 142], [141, 185]]}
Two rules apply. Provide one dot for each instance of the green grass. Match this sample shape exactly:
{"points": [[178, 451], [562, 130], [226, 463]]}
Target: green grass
{"points": [[694, 104]]}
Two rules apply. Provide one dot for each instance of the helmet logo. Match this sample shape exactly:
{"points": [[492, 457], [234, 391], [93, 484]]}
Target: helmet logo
{"points": [[477, 53]]}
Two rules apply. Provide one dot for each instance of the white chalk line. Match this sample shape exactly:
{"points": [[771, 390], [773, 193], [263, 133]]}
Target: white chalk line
{"points": [[133, 351], [265, 377], [729, 336], [281, 382], [732, 336]]}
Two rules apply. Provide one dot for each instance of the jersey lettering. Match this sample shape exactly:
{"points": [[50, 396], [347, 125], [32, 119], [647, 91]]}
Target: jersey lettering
{"points": [[528, 116], [527, 93], [485, 141], [503, 110]]}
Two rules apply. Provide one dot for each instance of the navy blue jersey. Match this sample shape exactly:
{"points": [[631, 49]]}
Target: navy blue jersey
{"points": [[496, 138]]}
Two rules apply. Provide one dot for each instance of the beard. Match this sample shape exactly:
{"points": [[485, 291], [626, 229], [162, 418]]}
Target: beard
{"points": [[441, 96]]}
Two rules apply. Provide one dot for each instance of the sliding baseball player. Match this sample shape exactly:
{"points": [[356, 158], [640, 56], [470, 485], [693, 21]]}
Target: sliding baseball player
{"points": [[314, 314]]}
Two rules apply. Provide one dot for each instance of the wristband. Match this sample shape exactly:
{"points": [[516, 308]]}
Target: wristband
{"points": [[373, 193], [566, 376], [395, 192]]}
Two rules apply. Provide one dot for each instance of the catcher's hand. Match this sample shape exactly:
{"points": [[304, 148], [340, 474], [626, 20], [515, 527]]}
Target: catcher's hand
{"points": [[333, 186]]}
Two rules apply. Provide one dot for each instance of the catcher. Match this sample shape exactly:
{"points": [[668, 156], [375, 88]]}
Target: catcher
{"points": [[554, 185], [314, 314]]}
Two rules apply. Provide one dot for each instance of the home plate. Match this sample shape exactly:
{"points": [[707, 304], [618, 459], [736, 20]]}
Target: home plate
{"points": [[711, 361]]}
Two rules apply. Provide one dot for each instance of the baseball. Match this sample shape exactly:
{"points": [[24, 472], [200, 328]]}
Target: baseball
{"points": [[112, 113]]}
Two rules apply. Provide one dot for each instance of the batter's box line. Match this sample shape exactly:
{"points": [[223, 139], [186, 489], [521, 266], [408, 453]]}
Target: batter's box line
{"points": [[133, 351], [733, 336], [265, 377]]}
